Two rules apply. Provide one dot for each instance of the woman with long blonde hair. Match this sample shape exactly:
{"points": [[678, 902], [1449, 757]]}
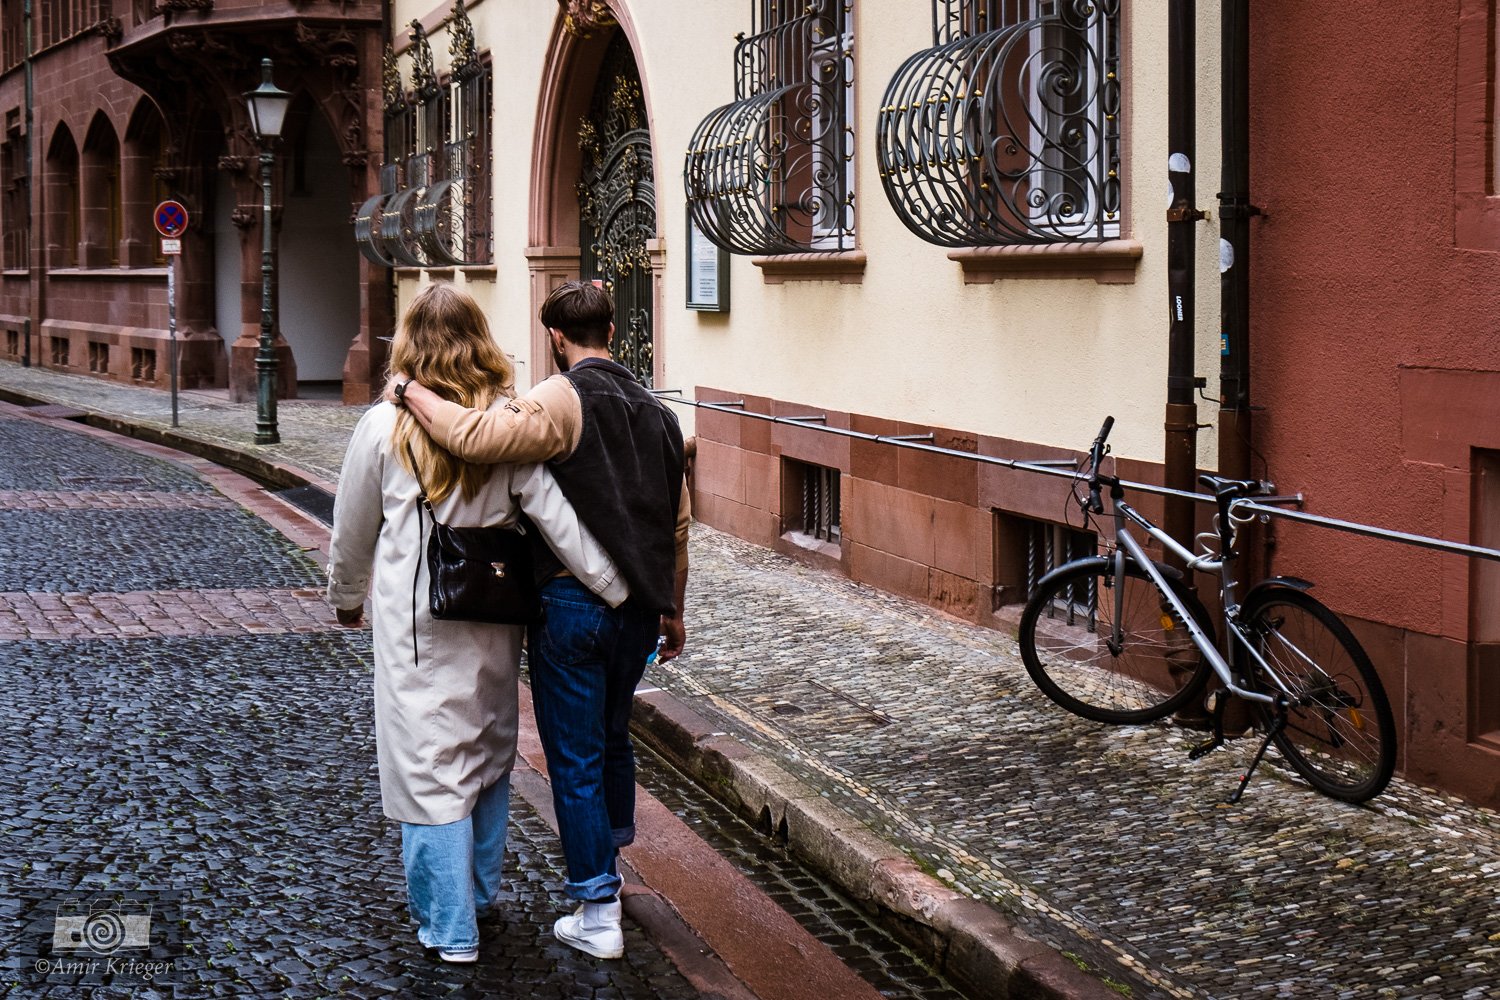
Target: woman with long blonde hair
{"points": [[445, 691]]}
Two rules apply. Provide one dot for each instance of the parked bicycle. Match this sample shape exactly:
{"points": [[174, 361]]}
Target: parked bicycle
{"points": [[1118, 638]]}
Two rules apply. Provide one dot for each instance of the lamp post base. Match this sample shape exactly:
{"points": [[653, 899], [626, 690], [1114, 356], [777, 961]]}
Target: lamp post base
{"points": [[265, 403]]}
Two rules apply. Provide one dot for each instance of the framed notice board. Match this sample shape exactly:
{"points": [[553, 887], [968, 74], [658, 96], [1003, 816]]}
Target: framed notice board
{"points": [[708, 272]]}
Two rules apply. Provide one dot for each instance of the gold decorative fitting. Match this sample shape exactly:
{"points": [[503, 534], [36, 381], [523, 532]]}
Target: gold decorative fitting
{"points": [[390, 82], [423, 73], [582, 17], [462, 50]]}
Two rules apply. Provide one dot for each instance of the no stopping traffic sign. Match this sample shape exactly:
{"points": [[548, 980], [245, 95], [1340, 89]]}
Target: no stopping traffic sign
{"points": [[170, 218]]}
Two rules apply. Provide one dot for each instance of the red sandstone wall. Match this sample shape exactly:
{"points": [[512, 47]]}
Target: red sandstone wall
{"points": [[1376, 332]]}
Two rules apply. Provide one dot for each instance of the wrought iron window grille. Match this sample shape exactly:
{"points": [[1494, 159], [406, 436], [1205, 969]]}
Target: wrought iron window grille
{"points": [[433, 209], [1007, 130], [814, 509], [1049, 546], [772, 172]]}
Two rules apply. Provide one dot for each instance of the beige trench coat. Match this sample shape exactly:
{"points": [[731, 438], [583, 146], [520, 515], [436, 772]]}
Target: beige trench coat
{"points": [[445, 712]]}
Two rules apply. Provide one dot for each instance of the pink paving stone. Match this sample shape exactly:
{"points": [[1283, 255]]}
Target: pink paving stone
{"points": [[164, 613]]}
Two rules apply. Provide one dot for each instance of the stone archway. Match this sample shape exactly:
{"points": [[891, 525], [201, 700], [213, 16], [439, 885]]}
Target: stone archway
{"points": [[581, 53]]}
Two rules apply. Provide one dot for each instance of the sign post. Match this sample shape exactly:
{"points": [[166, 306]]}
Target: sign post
{"points": [[171, 220]]}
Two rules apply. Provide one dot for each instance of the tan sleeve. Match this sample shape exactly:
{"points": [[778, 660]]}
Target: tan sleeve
{"points": [[542, 425], [684, 521]]}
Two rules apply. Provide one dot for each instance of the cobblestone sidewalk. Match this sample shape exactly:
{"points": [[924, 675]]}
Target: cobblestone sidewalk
{"points": [[1103, 837]]}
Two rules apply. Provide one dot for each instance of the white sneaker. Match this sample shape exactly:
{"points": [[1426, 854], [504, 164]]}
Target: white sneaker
{"points": [[593, 928], [459, 957]]}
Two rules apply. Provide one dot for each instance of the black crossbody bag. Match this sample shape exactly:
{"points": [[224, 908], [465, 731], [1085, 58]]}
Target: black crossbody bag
{"points": [[477, 574]]}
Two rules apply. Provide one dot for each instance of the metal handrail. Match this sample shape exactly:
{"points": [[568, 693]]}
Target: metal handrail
{"points": [[1354, 527], [1049, 467]]}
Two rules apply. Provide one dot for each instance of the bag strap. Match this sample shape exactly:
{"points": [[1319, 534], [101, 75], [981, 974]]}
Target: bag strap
{"points": [[422, 501]]}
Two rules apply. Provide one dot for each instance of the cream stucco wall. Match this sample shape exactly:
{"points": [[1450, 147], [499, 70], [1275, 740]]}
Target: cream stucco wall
{"points": [[1037, 359]]}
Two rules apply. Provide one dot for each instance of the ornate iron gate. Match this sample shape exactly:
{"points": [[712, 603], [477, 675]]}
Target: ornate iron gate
{"points": [[617, 204]]}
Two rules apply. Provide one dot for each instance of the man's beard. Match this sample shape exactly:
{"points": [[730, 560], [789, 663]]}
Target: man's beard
{"points": [[558, 359]]}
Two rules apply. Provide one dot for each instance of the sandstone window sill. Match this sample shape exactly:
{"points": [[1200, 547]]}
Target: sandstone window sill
{"points": [[1113, 262], [847, 267], [107, 273]]}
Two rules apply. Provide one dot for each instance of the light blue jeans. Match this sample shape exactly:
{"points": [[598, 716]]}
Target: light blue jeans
{"points": [[585, 660], [453, 870]]}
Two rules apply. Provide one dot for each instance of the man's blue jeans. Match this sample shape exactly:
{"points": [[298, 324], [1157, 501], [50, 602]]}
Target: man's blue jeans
{"points": [[586, 659], [453, 870]]}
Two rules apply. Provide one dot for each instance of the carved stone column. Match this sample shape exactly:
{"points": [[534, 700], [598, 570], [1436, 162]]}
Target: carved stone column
{"points": [[202, 361]]}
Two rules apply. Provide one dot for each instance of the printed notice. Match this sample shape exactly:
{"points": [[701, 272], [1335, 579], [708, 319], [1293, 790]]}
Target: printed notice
{"points": [[704, 274]]}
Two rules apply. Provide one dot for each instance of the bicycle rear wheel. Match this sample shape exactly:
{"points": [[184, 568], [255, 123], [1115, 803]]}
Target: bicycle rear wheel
{"points": [[1339, 733], [1066, 635]]}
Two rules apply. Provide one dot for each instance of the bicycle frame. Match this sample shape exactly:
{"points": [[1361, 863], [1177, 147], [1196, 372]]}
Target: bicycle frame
{"points": [[1289, 695], [1126, 544]]}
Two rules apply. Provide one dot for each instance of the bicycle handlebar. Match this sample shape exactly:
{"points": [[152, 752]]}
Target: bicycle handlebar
{"points": [[1096, 455]]}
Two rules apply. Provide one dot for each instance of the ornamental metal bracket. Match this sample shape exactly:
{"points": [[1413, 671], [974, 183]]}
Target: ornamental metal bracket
{"points": [[463, 51], [423, 73], [392, 93]]}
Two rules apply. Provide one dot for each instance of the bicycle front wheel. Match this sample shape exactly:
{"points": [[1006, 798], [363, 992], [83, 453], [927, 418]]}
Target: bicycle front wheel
{"points": [[1339, 733], [1067, 643]]}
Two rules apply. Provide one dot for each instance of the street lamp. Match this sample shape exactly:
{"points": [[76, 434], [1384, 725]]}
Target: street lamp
{"points": [[267, 113]]}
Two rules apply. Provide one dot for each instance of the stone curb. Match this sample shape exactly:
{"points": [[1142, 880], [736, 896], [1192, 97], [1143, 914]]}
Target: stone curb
{"points": [[984, 954]]}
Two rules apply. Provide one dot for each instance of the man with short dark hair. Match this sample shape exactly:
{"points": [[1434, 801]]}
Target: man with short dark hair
{"points": [[616, 452]]}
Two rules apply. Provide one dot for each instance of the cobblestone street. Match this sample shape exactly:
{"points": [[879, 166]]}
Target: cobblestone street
{"points": [[1107, 843], [182, 715]]}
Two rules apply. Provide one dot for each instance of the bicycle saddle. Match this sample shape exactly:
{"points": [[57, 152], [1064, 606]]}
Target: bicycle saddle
{"points": [[1220, 486]]}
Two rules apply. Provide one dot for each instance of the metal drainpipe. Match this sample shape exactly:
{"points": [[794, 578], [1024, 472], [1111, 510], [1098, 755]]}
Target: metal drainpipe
{"points": [[1235, 211], [1182, 410], [35, 194]]}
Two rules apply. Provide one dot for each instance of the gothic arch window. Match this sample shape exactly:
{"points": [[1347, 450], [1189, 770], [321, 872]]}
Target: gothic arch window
{"points": [[143, 164], [63, 230], [101, 212], [15, 195]]}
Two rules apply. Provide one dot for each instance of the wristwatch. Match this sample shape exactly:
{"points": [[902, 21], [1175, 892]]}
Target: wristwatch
{"points": [[400, 391]]}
